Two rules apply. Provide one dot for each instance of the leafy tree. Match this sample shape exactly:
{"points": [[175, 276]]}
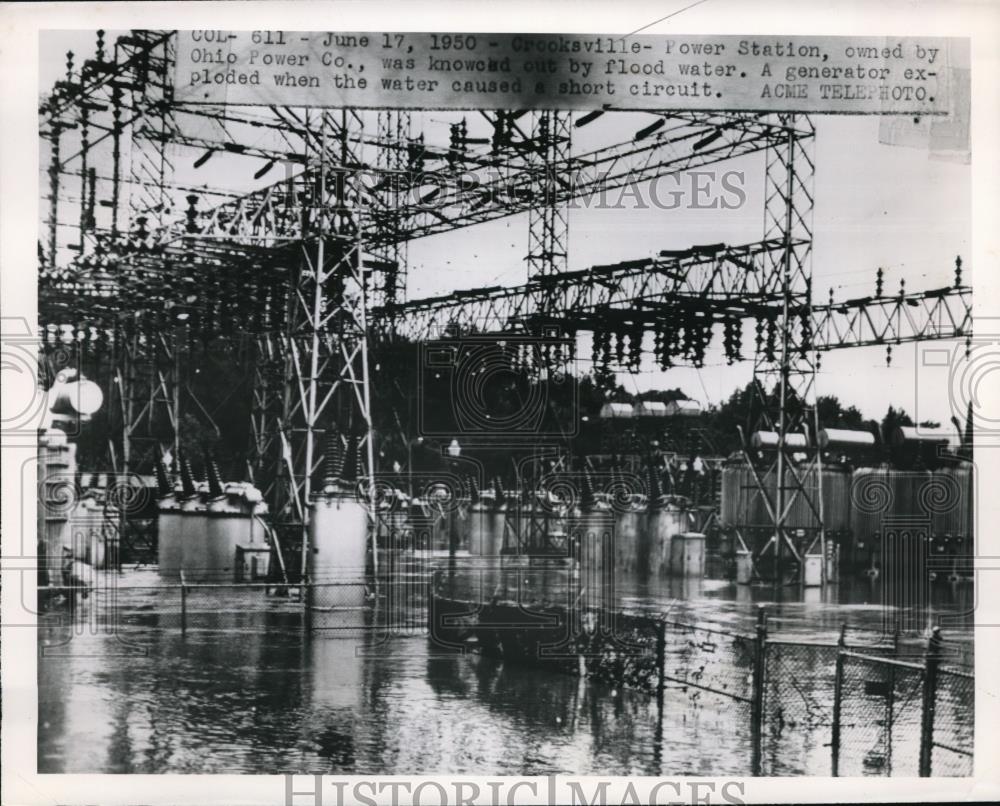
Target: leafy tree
{"points": [[832, 414], [893, 419]]}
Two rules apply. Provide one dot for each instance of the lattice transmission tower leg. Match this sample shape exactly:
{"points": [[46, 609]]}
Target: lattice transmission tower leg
{"points": [[147, 378], [784, 366], [388, 253], [548, 221], [326, 394]]}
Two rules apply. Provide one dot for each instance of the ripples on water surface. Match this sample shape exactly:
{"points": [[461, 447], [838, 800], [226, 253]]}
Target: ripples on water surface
{"points": [[252, 692]]}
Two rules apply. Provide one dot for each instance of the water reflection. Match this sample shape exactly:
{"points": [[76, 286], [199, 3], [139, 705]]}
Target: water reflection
{"points": [[279, 698]]}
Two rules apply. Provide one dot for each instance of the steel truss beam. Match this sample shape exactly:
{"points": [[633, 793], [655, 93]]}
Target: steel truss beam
{"points": [[474, 189], [943, 313], [315, 264], [717, 284], [471, 190], [324, 391], [728, 276]]}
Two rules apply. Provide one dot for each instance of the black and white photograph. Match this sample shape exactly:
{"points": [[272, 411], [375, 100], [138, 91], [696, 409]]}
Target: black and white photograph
{"points": [[562, 409]]}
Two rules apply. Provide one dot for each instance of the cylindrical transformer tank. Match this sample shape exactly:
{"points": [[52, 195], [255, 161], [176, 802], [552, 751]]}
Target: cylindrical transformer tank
{"points": [[879, 495], [909, 491], [837, 499], [688, 555], [743, 505], [756, 503], [626, 539], [87, 532], [846, 439], [338, 545], [193, 533], [486, 528], [906, 435], [487, 524], [730, 505], [804, 509], [664, 525], [56, 500], [948, 499], [170, 535], [799, 508], [231, 521], [871, 496], [590, 533], [768, 440]]}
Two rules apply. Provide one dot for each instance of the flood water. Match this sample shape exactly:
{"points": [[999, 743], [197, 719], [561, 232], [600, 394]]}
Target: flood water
{"points": [[247, 687]]}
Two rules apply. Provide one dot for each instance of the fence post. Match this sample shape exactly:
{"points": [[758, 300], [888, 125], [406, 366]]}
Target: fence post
{"points": [[890, 718], [183, 604], [931, 662], [431, 604], [757, 695], [661, 659], [661, 662], [838, 691]]}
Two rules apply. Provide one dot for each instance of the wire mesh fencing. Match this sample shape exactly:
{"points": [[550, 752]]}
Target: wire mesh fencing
{"points": [[618, 648], [796, 707], [804, 708], [900, 718], [953, 733], [703, 658], [622, 649], [699, 673], [799, 694], [877, 713]]}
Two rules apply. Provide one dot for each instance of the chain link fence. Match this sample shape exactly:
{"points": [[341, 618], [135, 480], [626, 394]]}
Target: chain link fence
{"points": [[900, 718], [699, 668], [798, 704], [804, 708], [877, 717], [799, 695], [954, 724], [797, 707], [709, 659], [622, 649]]}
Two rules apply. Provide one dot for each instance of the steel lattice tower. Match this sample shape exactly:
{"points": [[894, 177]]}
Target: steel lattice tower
{"points": [[784, 365], [296, 278]]}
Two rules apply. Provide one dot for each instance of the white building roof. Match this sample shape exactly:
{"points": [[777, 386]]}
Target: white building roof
{"points": [[675, 407], [650, 408], [609, 410]]}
